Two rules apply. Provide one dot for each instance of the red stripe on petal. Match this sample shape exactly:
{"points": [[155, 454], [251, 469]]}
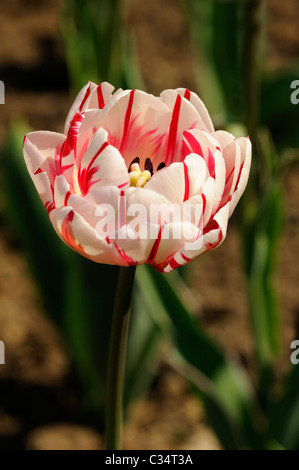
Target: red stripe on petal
{"points": [[174, 264], [194, 144], [204, 201], [211, 246], [87, 93], [67, 233], [211, 163], [187, 187], [123, 185], [122, 209], [187, 94], [101, 100], [127, 118], [50, 206], [85, 175], [70, 142], [212, 225], [230, 174], [173, 130], [130, 261], [105, 144], [39, 170], [185, 258], [153, 253], [239, 176], [186, 148], [67, 197]]}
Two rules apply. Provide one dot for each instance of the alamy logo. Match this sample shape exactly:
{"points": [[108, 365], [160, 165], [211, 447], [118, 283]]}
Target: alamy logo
{"points": [[2, 353], [295, 94], [294, 356], [2, 92]]}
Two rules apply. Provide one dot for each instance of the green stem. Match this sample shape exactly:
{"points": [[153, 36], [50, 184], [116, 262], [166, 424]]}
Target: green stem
{"points": [[117, 354]]}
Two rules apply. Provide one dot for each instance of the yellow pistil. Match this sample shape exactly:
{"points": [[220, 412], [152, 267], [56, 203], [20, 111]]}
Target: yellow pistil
{"points": [[137, 177]]}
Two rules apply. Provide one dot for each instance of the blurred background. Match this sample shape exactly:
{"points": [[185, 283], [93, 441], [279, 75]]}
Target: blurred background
{"points": [[209, 350]]}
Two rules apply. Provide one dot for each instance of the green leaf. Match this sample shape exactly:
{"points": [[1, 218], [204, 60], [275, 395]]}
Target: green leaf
{"points": [[284, 413], [277, 108], [143, 352], [228, 395]]}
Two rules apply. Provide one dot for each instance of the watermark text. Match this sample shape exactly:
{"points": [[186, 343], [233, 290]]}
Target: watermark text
{"points": [[2, 353]]}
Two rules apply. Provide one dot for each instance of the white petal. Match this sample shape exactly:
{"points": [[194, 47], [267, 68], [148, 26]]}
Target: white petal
{"points": [[220, 173], [209, 241], [232, 156], [61, 190], [243, 175], [157, 244], [184, 116], [102, 165], [196, 173], [39, 152], [100, 96], [43, 187], [199, 106], [137, 123], [80, 103], [208, 195], [81, 237], [169, 182]]}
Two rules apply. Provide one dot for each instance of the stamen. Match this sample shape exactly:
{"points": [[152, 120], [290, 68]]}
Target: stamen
{"points": [[137, 177], [143, 178], [149, 166], [160, 166], [135, 160]]}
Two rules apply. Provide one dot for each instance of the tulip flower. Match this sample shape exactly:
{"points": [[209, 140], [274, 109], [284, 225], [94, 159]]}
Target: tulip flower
{"points": [[127, 153], [137, 179]]}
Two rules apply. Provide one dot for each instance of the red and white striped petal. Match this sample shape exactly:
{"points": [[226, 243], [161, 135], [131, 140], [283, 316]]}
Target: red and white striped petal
{"points": [[199, 106], [232, 156], [220, 174], [180, 181], [137, 123], [41, 152], [61, 191], [43, 187], [210, 240], [90, 123], [208, 198], [101, 96], [158, 242], [183, 117], [215, 233], [101, 165], [203, 144], [243, 174], [80, 104], [64, 197], [81, 237], [129, 204]]}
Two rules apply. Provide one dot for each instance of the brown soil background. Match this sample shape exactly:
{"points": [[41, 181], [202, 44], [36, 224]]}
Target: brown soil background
{"points": [[38, 407]]}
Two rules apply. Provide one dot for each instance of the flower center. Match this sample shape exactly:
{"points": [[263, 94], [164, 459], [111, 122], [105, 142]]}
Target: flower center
{"points": [[137, 177]]}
